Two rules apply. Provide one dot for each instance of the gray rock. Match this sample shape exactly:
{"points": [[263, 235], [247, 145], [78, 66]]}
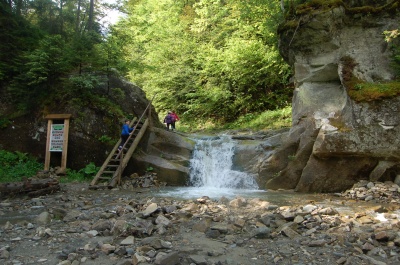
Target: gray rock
{"points": [[335, 139], [162, 220], [261, 232], [211, 233], [130, 240], [167, 259], [198, 260], [150, 209], [43, 218]]}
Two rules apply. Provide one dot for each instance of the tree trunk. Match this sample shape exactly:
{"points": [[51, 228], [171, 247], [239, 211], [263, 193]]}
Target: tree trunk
{"points": [[61, 17], [18, 7], [91, 15], [78, 17], [30, 187]]}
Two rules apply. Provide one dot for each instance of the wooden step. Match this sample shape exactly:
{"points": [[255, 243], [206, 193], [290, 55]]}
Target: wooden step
{"points": [[105, 178], [116, 162]]}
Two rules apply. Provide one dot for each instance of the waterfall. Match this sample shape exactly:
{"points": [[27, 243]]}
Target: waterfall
{"points": [[211, 165]]}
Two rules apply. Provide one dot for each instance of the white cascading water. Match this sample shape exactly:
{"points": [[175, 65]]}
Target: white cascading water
{"points": [[211, 165]]}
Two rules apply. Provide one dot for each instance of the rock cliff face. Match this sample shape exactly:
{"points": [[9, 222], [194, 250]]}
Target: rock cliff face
{"points": [[335, 141], [165, 152]]}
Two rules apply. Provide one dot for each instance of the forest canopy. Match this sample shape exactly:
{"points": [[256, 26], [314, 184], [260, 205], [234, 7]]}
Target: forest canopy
{"points": [[207, 59]]}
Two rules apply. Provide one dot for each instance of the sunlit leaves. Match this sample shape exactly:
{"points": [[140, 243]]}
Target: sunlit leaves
{"points": [[209, 59]]}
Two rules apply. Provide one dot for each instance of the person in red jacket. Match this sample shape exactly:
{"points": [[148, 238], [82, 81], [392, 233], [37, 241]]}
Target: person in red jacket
{"points": [[175, 119]]}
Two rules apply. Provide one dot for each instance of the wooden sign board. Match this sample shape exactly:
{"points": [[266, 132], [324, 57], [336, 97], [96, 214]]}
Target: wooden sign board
{"points": [[57, 138]]}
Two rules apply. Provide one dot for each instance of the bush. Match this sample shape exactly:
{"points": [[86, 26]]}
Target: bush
{"points": [[14, 166], [85, 174]]}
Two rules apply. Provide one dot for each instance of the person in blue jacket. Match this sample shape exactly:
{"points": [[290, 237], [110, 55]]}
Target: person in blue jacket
{"points": [[126, 131]]}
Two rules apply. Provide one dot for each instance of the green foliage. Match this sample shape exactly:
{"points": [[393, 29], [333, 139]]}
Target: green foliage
{"points": [[273, 119], [391, 38], [82, 52], [84, 83], [41, 72], [17, 37], [359, 90], [14, 166], [73, 176], [309, 6], [267, 120], [106, 139], [106, 105], [85, 174], [90, 170], [209, 60], [374, 91], [117, 94], [47, 62], [4, 122], [43, 44]]}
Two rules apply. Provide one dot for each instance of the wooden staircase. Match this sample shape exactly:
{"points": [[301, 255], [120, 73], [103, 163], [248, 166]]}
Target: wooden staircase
{"points": [[110, 172]]}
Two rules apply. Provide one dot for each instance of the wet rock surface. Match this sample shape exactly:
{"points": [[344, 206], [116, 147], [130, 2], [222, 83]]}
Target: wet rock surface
{"points": [[131, 225]]}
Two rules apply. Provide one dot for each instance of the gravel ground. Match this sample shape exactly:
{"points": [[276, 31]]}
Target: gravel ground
{"points": [[81, 226]]}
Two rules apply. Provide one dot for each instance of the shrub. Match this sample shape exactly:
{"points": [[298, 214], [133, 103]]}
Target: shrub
{"points": [[14, 166], [82, 175]]}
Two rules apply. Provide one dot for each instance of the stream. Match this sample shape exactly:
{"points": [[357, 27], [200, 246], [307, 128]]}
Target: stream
{"points": [[212, 175]]}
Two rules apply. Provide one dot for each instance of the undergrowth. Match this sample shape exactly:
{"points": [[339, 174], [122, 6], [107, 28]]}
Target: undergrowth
{"points": [[17, 166], [267, 120], [374, 91], [83, 175], [360, 91]]}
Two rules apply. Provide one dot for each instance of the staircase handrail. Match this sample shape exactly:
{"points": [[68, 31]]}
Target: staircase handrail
{"points": [[130, 135]]}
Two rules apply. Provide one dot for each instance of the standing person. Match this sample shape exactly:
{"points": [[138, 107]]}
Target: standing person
{"points": [[168, 120], [126, 131], [175, 119]]}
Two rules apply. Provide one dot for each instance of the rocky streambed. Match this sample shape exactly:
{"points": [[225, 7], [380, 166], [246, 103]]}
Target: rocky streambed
{"points": [[132, 226]]}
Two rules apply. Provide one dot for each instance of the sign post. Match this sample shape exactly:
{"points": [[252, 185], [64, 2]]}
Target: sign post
{"points": [[57, 138]]}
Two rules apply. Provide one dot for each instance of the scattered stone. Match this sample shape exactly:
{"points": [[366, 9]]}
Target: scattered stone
{"points": [[150, 209], [167, 259], [92, 233], [262, 232], [198, 260], [130, 240], [43, 218], [111, 227], [107, 248]]}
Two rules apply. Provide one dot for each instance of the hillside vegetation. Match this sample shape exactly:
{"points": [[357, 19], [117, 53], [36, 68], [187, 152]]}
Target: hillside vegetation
{"points": [[213, 62]]}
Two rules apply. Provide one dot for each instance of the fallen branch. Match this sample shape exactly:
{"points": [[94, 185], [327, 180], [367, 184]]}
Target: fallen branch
{"points": [[30, 187]]}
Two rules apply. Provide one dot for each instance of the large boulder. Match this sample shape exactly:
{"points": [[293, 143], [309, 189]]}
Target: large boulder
{"points": [[165, 153], [335, 141]]}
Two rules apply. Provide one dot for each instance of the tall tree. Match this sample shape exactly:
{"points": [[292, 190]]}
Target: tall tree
{"points": [[210, 59], [91, 15]]}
